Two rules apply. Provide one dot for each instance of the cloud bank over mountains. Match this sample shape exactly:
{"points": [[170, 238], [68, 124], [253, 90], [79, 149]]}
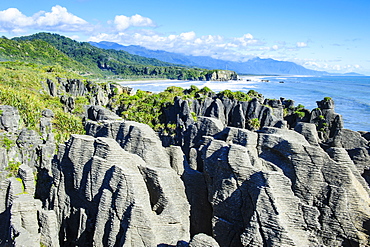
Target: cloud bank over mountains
{"points": [[143, 31]]}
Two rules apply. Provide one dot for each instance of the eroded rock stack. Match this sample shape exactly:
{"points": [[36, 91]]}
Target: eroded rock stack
{"points": [[24, 153], [225, 183], [222, 75], [114, 198], [274, 188], [98, 94]]}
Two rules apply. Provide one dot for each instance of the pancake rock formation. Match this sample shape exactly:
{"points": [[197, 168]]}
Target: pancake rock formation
{"points": [[224, 181]]}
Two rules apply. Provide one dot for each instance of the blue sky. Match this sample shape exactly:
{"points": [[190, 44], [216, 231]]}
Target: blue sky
{"points": [[324, 35]]}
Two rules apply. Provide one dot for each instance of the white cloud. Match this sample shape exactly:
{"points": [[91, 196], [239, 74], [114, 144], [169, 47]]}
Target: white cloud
{"points": [[188, 36], [140, 21], [301, 44], [13, 20], [59, 19], [123, 22], [333, 66], [74, 37], [247, 40], [188, 43]]}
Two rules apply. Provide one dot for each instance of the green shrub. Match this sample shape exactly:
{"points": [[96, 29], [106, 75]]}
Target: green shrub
{"points": [[80, 102], [145, 107], [254, 94], [66, 124], [239, 95], [254, 123], [300, 114], [285, 112], [6, 143], [12, 168], [194, 116], [300, 106], [205, 90], [174, 90]]}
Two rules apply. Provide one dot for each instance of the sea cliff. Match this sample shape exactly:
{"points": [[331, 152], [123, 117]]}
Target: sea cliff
{"points": [[234, 172]]}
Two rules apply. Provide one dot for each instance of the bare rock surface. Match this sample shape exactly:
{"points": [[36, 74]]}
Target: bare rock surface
{"points": [[9, 118], [203, 240], [115, 197], [134, 137], [280, 188], [97, 113]]}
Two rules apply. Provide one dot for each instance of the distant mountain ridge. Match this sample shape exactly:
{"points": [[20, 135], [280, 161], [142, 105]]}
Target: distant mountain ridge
{"points": [[253, 66]]}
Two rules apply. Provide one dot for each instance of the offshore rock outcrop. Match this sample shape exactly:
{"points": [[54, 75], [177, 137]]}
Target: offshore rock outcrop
{"points": [[222, 75]]}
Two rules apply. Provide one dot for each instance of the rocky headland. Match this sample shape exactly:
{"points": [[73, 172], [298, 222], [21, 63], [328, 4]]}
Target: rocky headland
{"points": [[258, 172]]}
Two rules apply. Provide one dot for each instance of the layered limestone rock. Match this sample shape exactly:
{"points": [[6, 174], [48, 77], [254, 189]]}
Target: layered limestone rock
{"points": [[203, 240], [134, 137], [326, 119], [276, 188], [358, 149], [9, 118], [67, 90], [115, 197], [229, 112], [22, 218], [23, 153], [161, 167], [226, 183]]}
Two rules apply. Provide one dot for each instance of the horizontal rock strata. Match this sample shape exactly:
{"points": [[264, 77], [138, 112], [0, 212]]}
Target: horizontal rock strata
{"points": [[290, 181]]}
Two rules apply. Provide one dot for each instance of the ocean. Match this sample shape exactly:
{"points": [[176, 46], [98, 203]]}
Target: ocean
{"points": [[351, 94]]}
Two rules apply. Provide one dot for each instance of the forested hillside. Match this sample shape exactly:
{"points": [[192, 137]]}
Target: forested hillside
{"points": [[37, 52], [42, 48]]}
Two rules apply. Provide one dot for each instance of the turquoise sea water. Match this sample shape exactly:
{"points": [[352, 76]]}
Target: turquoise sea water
{"points": [[351, 94]]}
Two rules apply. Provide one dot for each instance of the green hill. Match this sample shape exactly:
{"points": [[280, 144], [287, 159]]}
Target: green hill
{"points": [[37, 52], [99, 61], [90, 55]]}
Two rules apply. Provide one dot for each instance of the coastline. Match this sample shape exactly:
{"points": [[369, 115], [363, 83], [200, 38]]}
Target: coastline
{"points": [[124, 83], [156, 86], [305, 90]]}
